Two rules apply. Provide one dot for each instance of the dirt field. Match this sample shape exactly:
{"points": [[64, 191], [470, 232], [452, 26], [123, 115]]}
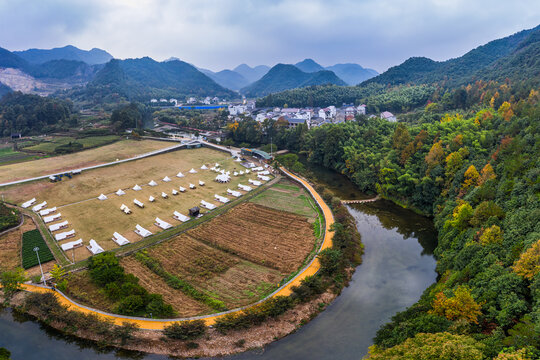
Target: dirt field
{"points": [[82, 289], [91, 218], [183, 304], [119, 150], [235, 281], [262, 235]]}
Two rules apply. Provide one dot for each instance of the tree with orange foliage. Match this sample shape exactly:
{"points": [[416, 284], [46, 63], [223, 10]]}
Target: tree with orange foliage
{"points": [[528, 264], [435, 155], [461, 306], [471, 178], [505, 110], [487, 173]]}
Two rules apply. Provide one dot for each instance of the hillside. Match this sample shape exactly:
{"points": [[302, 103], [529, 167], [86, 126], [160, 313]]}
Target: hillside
{"points": [[69, 52], [140, 79], [252, 74], [10, 60], [4, 90], [283, 77], [308, 65], [229, 79], [506, 54], [352, 74]]}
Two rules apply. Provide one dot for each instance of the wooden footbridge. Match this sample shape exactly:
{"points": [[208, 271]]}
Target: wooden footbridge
{"points": [[360, 201]]}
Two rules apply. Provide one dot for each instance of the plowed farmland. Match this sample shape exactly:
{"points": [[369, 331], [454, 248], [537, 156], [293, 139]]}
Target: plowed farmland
{"points": [[262, 235]]}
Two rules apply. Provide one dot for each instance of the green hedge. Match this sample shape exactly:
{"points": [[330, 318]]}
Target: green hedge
{"points": [[30, 240]]}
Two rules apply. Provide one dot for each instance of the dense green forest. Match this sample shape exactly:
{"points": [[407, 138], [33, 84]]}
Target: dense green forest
{"points": [[33, 114], [471, 161]]}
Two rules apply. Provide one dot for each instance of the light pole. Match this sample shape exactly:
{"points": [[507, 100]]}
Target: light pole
{"points": [[36, 249]]}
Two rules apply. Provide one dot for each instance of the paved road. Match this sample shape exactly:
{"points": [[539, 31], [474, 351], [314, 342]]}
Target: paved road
{"points": [[285, 290]]}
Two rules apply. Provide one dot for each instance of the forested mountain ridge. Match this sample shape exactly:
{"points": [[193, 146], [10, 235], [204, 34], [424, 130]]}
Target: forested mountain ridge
{"points": [[252, 74], [308, 65], [352, 74], [38, 56], [140, 79], [229, 79], [284, 76], [459, 71]]}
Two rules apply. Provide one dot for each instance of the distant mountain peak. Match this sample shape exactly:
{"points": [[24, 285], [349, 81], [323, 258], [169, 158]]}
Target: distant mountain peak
{"points": [[308, 65], [94, 56]]}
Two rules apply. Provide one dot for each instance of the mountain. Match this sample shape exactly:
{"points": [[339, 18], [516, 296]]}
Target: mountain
{"points": [[69, 52], [284, 76], [139, 79], [352, 74], [4, 89], [11, 60], [309, 66], [252, 74], [228, 78], [506, 54]]}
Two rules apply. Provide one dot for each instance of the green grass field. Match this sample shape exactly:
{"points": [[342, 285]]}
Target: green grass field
{"points": [[48, 146], [8, 156], [288, 197]]}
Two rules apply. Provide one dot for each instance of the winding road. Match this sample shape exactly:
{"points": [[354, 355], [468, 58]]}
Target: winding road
{"points": [[158, 324]]}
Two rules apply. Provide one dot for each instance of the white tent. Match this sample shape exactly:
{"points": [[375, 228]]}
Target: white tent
{"points": [[56, 227], [64, 235], [151, 199], [204, 167], [48, 219], [39, 206], [71, 245], [102, 197], [234, 193], [254, 182], [192, 171], [208, 205], [137, 188], [125, 209], [222, 199], [191, 186], [94, 247], [216, 165], [182, 189], [241, 172], [180, 175], [263, 178], [119, 239], [162, 224], [152, 183], [174, 192], [180, 217], [244, 187], [120, 192], [238, 159], [247, 171], [201, 183], [222, 178], [138, 203], [259, 168], [28, 203], [235, 173], [139, 230], [47, 211], [166, 179], [163, 195], [265, 172]]}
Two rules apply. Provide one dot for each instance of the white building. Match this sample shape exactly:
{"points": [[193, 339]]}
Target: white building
{"points": [[361, 109], [237, 109], [322, 114], [191, 100], [387, 115]]}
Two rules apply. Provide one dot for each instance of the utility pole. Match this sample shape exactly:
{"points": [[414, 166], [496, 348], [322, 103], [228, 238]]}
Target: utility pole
{"points": [[36, 249]]}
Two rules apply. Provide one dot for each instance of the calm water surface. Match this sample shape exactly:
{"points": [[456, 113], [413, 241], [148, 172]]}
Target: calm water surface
{"points": [[398, 265]]}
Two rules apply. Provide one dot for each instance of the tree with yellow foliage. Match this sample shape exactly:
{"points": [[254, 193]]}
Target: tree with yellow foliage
{"points": [[461, 306], [435, 155], [528, 264], [471, 178], [505, 110], [487, 173], [492, 235]]}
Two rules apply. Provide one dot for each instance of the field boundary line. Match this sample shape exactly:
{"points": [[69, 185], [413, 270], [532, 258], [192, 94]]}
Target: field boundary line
{"points": [[159, 324]]}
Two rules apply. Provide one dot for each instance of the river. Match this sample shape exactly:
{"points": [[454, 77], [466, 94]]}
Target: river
{"points": [[397, 267]]}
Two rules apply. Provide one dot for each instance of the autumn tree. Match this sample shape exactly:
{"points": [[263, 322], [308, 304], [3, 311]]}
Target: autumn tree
{"points": [[528, 264], [487, 174], [12, 282], [461, 216], [491, 235], [505, 110], [471, 178], [461, 306], [435, 155]]}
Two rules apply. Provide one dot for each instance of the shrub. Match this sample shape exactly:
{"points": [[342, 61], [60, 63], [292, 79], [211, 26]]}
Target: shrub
{"points": [[130, 305], [187, 330], [330, 260], [105, 268], [309, 288]]}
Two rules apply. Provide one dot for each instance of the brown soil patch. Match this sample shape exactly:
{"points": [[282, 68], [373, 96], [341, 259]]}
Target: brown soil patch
{"points": [[10, 246], [183, 304], [265, 236], [83, 290]]}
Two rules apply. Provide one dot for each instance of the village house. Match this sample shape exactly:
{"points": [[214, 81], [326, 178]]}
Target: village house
{"points": [[387, 115]]}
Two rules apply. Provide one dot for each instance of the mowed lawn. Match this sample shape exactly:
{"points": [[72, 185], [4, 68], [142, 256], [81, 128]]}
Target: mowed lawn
{"points": [[76, 198], [108, 153]]}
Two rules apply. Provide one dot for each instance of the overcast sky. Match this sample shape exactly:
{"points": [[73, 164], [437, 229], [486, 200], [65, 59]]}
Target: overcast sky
{"points": [[219, 34]]}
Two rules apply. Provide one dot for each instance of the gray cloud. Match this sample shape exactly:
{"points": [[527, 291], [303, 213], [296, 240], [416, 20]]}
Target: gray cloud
{"points": [[221, 34]]}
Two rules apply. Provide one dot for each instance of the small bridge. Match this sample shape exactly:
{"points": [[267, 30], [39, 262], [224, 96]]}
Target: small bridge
{"points": [[360, 201]]}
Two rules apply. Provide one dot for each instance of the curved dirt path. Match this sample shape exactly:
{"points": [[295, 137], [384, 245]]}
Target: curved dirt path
{"points": [[158, 324]]}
